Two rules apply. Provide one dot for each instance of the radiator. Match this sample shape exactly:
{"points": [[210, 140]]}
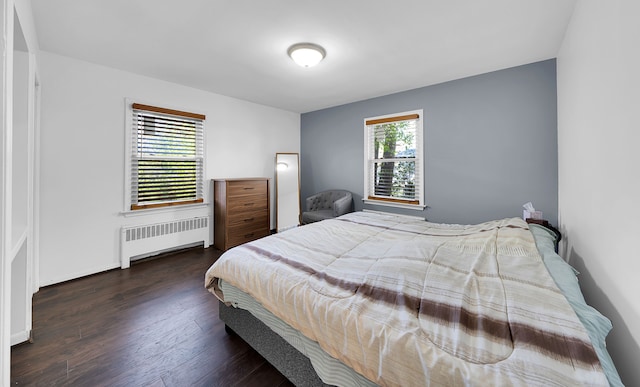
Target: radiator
{"points": [[145, 240]]}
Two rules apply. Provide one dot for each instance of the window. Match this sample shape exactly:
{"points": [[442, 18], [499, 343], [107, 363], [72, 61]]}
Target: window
{"points": [[167, 157], [393, 160]]}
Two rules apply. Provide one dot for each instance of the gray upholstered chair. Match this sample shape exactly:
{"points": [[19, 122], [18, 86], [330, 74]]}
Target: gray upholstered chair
{"points": [[326, 205]]}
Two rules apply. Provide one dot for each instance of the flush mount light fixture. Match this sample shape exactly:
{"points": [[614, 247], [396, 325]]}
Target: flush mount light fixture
{"points": [[306, 54]]}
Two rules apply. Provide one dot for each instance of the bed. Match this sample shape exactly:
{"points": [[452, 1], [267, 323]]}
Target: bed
{"points": [[380, 299]]}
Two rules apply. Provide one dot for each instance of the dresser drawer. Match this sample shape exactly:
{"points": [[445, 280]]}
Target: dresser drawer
{"points": [[246, 233], [246, 187], [243, 204], [249, 219]]}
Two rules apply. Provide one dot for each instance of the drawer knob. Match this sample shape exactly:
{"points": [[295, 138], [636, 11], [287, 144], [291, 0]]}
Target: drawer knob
{"points": [[248, 220], [248, 235], [249, 188], [248, 204]]}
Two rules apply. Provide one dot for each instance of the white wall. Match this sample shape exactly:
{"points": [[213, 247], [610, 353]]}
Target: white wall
{"points": [[20, 201], [20, 178], [599, 165], [82, 156]]}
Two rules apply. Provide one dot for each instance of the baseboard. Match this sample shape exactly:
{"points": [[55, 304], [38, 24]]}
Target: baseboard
{"points": [[20, 337], [79, 274], [84, 273]]}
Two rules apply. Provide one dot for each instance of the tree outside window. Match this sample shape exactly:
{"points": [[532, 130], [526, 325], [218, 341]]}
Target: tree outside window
{"points": [[395, 166]]}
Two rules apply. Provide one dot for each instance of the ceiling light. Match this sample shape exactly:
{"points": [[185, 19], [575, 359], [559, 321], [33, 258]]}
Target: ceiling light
{"points": [[306, 54]]}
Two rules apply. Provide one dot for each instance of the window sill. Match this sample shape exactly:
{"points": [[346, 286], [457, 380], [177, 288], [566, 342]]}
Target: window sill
{"points": [[416, 207], [160, 210]]}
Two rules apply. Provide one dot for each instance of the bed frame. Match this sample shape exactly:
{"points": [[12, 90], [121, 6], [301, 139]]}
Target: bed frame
{"points": [[277, 351]]}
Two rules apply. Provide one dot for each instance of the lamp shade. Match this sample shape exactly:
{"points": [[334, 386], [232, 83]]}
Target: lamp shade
{"points": [[306, 54]]}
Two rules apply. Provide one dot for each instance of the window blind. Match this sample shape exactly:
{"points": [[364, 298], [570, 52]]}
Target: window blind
{"points": [[394, 169], [167, 158]]}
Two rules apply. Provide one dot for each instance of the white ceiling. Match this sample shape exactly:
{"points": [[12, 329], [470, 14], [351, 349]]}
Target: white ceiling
{"points": [[238, 48]]}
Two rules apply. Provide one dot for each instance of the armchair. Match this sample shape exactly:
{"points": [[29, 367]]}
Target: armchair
{"points": [[326, 205]]}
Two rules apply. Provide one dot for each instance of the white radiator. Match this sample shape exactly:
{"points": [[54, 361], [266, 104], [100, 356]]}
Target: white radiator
{"points": [[158, 237]]}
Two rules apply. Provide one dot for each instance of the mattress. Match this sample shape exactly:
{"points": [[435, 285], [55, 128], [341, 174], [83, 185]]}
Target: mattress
{"points": [[405, 302], [330, 370]]}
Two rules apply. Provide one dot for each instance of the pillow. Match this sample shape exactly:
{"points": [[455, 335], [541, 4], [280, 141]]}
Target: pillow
{"points": [[565, 276]]}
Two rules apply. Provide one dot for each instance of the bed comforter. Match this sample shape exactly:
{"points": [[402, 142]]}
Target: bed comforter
{"points": [[407, 302]]}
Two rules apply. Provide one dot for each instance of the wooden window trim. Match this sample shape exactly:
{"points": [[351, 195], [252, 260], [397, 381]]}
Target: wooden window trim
{"points": [[149, 108], [392, 119], [167, 204], [402, 201]]}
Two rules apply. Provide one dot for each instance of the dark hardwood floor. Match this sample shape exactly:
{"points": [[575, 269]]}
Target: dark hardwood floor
{"points": [[151, 325]]}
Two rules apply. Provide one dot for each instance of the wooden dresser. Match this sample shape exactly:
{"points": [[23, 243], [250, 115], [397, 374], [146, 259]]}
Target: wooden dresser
{"points": [[241, 211]]}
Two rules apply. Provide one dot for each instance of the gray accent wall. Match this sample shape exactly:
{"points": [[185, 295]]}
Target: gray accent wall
{"points": [[490, 145]]}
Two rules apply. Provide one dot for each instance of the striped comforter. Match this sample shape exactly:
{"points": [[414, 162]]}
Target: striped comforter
{"points": [[406, 302]]}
